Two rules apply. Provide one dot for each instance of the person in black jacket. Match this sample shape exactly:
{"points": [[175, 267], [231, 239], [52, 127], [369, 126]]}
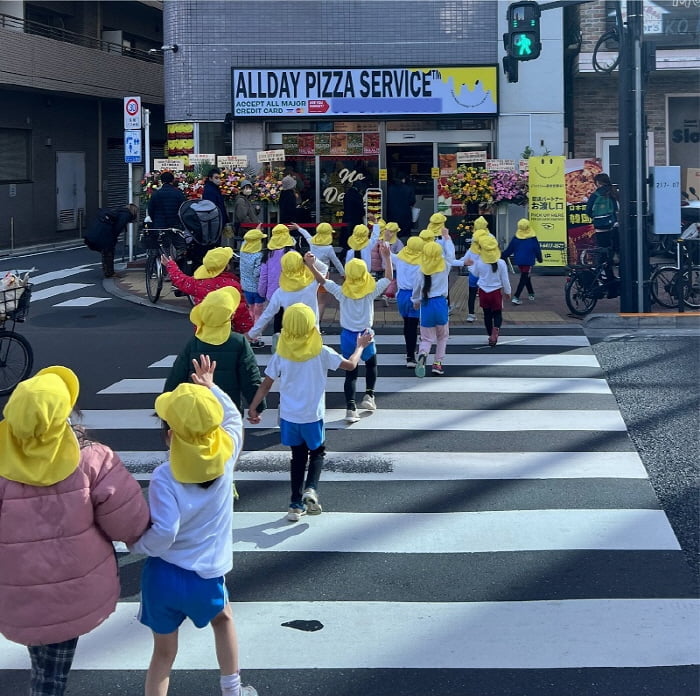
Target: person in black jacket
{"points": [[212, 193], [353, 215], [602, 207], [165, 203], [103, 233], [401, 197]]}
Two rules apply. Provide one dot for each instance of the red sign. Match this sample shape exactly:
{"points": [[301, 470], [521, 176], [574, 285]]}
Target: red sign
{"points": [[318, 106]]}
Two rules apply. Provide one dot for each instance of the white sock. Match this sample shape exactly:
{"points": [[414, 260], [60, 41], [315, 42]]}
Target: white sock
{"points": [[230, 685]]}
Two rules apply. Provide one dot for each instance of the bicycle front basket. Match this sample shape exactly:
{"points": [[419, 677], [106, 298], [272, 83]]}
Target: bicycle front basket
{"points": [[149, 239], [14, 302]]}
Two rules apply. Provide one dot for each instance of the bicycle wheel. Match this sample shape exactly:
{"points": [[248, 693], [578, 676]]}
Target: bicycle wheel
{"points": [[154, 277], [577, 296], [691, 289], [16, 360], [662, 285]]}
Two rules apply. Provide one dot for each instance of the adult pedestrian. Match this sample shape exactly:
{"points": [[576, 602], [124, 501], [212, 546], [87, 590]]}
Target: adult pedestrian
{"points": [[212, 192], [165, 203], [289, 198], [103, 233], [353, 215], [602, 207], [244, 211], [64, 500], [401, 197]]}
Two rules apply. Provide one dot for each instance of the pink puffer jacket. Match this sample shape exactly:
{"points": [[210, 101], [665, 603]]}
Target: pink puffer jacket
{"points": [[58, 573]]}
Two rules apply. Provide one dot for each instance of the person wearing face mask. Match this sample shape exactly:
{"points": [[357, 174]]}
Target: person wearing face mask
{"points": [[243, 208]]}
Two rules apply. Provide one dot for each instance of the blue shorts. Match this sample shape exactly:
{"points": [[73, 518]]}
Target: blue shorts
{"points": [[433, 312], [253, 297], [473, 281], [404, 304], [348, 343], [313, 435], [170, 594]]}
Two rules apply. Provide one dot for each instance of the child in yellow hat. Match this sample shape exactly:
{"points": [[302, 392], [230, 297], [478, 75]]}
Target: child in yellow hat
{"points": [[296, 284], [407, 263], [214, 273], [64, 500], [321, 246], [429, 295], [189, 545], [238, 374], [362, 241], [472, 283], [356, 298], [301, 365], [492, 274], [250, 260], [525, 250]]}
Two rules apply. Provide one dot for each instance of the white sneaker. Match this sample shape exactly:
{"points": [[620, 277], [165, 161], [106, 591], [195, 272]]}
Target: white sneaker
{"points": [[351, 416], [471, 318], [296, 512], [248, 691], [410, 363], [310, 498], [368, 403], [516, 300]]}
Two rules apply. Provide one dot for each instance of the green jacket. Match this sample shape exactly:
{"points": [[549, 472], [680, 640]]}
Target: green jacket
{"points": [[236, 373]]}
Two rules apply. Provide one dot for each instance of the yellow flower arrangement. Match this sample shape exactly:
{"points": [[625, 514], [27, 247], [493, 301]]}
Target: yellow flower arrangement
{"points": [[469, 185]]}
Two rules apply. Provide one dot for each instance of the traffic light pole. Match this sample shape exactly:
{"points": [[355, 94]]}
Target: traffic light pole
{"points": [[632, 140]]}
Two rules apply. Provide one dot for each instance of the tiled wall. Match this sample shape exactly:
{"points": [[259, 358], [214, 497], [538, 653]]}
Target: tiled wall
{"points": [[214, 36]]}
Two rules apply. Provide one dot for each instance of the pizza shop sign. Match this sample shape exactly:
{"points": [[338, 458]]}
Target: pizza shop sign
{"points": [[363, 91]]}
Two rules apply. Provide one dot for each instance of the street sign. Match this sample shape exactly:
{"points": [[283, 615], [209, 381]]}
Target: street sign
{"points": [[132, 146], [666, 200], [132, 113]]}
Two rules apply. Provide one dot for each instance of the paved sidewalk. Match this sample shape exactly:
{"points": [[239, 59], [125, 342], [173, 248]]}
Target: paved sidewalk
{"points": [[549, 307]]}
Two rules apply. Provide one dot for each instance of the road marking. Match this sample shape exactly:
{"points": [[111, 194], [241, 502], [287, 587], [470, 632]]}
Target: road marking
{"points": [[407, 384], [58, 275], [497, 420], [58, 290], [573, 634], [82, 302]]}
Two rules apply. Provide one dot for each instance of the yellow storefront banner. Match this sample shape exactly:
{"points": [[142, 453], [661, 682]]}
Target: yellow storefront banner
{"points": [[548, 207]]}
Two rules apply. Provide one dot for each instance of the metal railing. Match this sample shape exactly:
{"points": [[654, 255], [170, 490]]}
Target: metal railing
{"points": [[56, 33]]}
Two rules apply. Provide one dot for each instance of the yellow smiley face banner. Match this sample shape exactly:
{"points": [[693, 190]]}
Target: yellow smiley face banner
{"points": [[547, 208]]}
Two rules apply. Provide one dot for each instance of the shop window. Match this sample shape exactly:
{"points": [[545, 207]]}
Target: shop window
{"points": [[212, 138], [15, 145]]}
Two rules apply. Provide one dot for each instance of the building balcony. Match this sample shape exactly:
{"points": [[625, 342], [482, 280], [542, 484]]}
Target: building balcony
{"points": [[37, 56]]}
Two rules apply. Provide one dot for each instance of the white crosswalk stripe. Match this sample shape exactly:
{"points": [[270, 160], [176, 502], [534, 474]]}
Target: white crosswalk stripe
{"points": [[511, 526]]}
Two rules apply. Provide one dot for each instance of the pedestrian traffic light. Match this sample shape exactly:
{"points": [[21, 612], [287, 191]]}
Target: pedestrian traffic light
{"points": [[523, 38]]}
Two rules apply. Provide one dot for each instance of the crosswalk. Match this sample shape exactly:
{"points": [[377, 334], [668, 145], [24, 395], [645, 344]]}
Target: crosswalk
{"points": [[52, 287], [492, 531]]}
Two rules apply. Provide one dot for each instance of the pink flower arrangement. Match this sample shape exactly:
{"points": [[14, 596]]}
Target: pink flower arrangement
{"points": [[509, 186], [268, 185]]}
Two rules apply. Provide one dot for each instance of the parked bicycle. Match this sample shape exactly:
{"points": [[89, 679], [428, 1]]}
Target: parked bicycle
{"points": [[590, 281], [16, 354], [168, 241], [668, 282]]}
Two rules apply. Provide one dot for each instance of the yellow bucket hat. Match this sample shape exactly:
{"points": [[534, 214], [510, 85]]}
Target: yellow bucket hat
{"points": [[300, 339], [475, 247], [436, 223], [280, 238], [252, 241], [393, 229], [490, 253], [382, 223], [428, 235], [212, 316], [359, 238], [358, 281], [295, 273], [432, 260], [37, 444], [481, 223], [200, 447], [413, 251], [214, 263], [324, 235], [524, 230]]}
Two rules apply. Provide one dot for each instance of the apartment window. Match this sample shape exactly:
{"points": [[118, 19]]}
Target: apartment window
{"points": [[15, 146]]}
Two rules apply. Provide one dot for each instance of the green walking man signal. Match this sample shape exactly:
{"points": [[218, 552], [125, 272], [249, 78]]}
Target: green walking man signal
{"points": [[522, 42]]}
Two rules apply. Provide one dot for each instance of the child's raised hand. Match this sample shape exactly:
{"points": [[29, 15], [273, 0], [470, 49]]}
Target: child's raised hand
{"points": [[384, 249], [164, 259], [309, 258], [293, 226], [203, 371]]}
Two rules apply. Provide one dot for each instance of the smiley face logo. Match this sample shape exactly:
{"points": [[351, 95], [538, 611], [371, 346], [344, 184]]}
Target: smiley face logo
{"points": [[548, 167]]}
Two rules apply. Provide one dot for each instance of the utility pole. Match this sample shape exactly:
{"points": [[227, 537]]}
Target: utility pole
{"points": [[632, 142]]}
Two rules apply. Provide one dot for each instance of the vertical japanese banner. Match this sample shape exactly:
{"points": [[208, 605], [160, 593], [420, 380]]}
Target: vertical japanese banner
{"points": [[580, 184], [548, 207]]}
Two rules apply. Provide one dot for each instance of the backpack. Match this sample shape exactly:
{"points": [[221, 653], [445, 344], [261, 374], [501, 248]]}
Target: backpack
{"points": [[203, 219], [603, 212]]}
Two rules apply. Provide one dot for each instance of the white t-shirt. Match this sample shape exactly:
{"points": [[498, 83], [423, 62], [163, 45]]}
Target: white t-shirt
{"points": [[490, 280], [302, 385], [439, 284], [323, 253], [366, 253], [192, 526], [285, 298], [356, 315], [405, 273]]}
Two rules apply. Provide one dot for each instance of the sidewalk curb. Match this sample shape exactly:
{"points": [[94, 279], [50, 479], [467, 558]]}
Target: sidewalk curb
{"points": [[684, 320], [39, 248], [110, 285]]}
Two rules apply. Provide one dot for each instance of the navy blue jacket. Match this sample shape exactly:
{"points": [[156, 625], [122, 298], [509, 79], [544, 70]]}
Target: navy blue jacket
{"points": [[164, 205], [524, 251], [212, 193]]}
